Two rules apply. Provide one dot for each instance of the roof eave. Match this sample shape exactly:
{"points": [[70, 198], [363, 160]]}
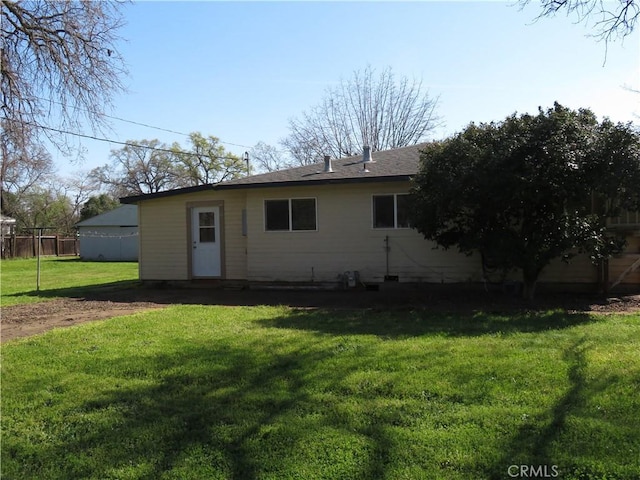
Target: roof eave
{"points": [[320, 181], [286, 183], [167, 193]]}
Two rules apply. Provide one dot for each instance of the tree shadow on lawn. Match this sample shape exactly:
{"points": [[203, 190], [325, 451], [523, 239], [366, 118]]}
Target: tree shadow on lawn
{"points": [[261, 408], [541, 448], [215, 412], [407, 323]]}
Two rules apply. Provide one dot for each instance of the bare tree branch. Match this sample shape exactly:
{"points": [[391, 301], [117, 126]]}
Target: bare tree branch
{"points": [[366, 110], [59, 65], [266, 158], [612, 20]]}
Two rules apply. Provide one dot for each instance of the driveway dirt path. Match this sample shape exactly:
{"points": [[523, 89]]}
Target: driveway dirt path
{"points": [[30, 319]]}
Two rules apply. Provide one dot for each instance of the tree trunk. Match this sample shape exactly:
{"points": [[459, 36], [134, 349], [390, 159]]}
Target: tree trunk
{"points": [[529, 286], [529, 289]]}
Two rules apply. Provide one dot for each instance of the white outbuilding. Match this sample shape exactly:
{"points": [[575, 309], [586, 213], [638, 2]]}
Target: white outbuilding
{"points": [[110, 236]]}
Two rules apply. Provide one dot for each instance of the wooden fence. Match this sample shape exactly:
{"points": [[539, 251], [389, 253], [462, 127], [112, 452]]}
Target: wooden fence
{"points": [[18, 246]]}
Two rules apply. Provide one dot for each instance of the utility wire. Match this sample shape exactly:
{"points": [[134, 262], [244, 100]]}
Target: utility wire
{"points": [[136, 123], [127, 144], [150, 126]]}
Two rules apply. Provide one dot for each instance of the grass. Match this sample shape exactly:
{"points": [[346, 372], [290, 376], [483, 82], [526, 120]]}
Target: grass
{"points": [[59, 277], [195, 392]]}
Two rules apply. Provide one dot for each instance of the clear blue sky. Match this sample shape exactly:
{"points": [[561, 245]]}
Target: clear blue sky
{"points": [[241, 70]]}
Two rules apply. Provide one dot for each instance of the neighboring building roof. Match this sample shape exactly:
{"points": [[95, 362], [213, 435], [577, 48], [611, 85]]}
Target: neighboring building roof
{"points": [[7, 220], [123, 216], [389, 165]]}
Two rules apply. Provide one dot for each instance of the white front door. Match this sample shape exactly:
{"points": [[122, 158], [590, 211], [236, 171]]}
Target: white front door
{"points": [[205, 242]]}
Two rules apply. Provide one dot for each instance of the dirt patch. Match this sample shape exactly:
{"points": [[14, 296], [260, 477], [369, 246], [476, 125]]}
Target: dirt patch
{"points": [[30, 319]]}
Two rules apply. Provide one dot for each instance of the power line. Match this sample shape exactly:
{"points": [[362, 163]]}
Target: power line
{"points": [[127, 144], [149, 126], [120, 119]]}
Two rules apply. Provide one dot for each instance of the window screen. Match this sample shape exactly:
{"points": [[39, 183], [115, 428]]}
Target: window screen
{"points": [[383, 207], [303, 214], [276, 215], [391, 211], [402, 211], [291, 214]]}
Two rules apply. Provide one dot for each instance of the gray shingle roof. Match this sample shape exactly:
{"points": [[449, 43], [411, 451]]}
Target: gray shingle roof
{"points": [[388, 165], [400, 163], [123, 216]]}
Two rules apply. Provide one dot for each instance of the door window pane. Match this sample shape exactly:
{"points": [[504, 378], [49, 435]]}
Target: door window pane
{"points": [[207, 227], [207, 234], [206, 219]]}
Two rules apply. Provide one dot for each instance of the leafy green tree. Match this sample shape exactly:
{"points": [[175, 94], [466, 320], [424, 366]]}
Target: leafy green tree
{"points": [[23, 165], [149, 166], [205, 161], [529, 189], [98, 204], [140, 167], [44, 207]]}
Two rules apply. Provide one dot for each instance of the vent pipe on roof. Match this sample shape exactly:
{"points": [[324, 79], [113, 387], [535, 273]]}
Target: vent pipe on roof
{"points": [[366, 155], [328, 168], [246, 159]]}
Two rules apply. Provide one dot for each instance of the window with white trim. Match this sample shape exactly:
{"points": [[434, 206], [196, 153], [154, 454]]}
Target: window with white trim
{"points": [[391, 211], [291, 214]]}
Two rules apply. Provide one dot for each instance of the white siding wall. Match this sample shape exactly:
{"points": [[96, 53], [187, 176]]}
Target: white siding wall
{"points": [[619, 264], [235, 245], [581, 270], [164, 250], [163, 239], [109, 243], [578, 270], [346, 241]]}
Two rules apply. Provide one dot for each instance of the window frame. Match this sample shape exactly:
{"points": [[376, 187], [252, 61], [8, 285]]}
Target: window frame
{"points": [[290, 211], [395, 211]]}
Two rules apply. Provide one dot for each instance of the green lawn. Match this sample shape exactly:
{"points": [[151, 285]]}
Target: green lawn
{"points": [[59, 277], [210, 392]]}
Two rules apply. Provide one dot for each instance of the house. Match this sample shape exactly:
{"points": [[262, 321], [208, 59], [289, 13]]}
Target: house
{"points": [[7, 225], [624, 269], [110, 236], [338, 222], [7, 228]]}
